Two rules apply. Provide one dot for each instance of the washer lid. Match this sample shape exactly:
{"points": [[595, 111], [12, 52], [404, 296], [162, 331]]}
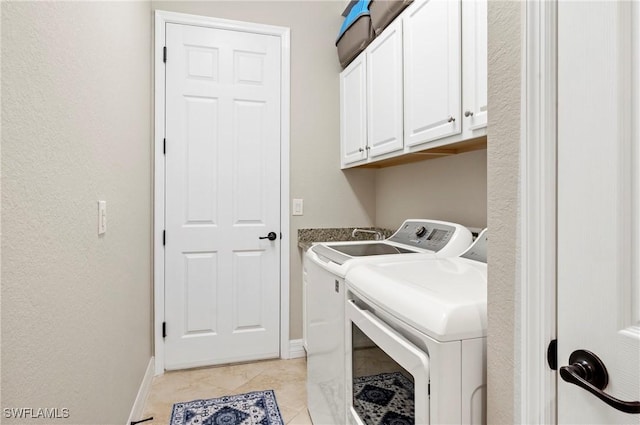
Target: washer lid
{"points": [[443, 298], [340, 253]]}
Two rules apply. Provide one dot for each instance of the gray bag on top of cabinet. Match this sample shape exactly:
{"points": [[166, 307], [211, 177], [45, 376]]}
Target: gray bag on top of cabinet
{"points": [[356, 33], [384, 11]]}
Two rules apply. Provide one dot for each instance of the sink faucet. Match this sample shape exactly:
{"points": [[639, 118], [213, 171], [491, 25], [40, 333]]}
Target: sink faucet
{"points": [[377, 234]]}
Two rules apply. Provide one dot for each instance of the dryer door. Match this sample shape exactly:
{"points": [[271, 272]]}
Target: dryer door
{"points": [[387, 376]]}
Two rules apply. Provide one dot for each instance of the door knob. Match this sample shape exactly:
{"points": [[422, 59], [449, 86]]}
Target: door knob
{"points": [[468, 114], [588, 372], [272, 236]]}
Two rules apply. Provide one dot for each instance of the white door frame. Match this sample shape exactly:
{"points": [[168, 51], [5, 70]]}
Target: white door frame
{"points": [[161, 19], [536, 276]]}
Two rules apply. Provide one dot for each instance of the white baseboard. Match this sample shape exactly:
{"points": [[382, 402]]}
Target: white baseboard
{"points": [[143, 392], [296, 349]]}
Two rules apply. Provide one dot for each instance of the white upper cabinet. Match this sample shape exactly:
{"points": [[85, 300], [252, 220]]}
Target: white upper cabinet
{"points": [[421, 84], [432, 71], [474, 65], [353, 112], [384, 91]]}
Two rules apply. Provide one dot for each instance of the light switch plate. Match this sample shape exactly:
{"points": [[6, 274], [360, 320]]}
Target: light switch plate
{"points": [[298, 207], [102, 217]]}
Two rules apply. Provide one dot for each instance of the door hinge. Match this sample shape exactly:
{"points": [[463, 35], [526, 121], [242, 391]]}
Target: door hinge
{"points": [[552, 354], [164, 54], [164, 146], [164, 329], [164, 237]]}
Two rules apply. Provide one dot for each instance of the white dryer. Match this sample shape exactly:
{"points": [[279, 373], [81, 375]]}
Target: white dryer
{"points": [[325, 267], [416, 340]]}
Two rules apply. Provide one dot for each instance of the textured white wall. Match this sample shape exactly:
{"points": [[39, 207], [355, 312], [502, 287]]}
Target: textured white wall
{"points": [[451, 188], [76, 127], [332, 198], [505, 28]]}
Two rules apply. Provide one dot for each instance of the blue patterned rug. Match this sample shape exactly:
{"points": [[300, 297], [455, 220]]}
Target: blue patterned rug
{"points": [[384, 399], [254, 408]]}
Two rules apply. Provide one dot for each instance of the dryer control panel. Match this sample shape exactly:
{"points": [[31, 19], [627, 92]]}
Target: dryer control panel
{"points": [[432, 235]]}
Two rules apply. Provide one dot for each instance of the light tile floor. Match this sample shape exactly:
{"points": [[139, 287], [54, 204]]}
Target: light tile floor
{"points": [[286, 377]]}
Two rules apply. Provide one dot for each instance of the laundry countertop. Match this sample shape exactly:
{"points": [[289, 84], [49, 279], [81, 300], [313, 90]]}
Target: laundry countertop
{"points": [[307, 237]]}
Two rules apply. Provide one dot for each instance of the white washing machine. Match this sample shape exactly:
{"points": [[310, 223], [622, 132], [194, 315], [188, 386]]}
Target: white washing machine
{"points": [[416, 340], [325, 267]]}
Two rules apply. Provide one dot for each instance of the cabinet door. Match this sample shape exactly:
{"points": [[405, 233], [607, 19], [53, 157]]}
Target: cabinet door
{"points": [[384, 91], [353, 111], [432, 71], [474, 63]]}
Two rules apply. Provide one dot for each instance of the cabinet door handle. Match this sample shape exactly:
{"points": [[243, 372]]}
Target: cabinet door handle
{"points": [[451, 119], [468, 114], [360, 150]]}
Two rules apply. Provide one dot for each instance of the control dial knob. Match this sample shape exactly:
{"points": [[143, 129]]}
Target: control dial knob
{"points": [[421, 231]]}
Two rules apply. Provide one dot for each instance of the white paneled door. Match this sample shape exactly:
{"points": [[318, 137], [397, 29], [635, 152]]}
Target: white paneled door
{"points": [[598, 212], [384, 91], [432, 61], [222, 273], [474, 63], [353, 111]]}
